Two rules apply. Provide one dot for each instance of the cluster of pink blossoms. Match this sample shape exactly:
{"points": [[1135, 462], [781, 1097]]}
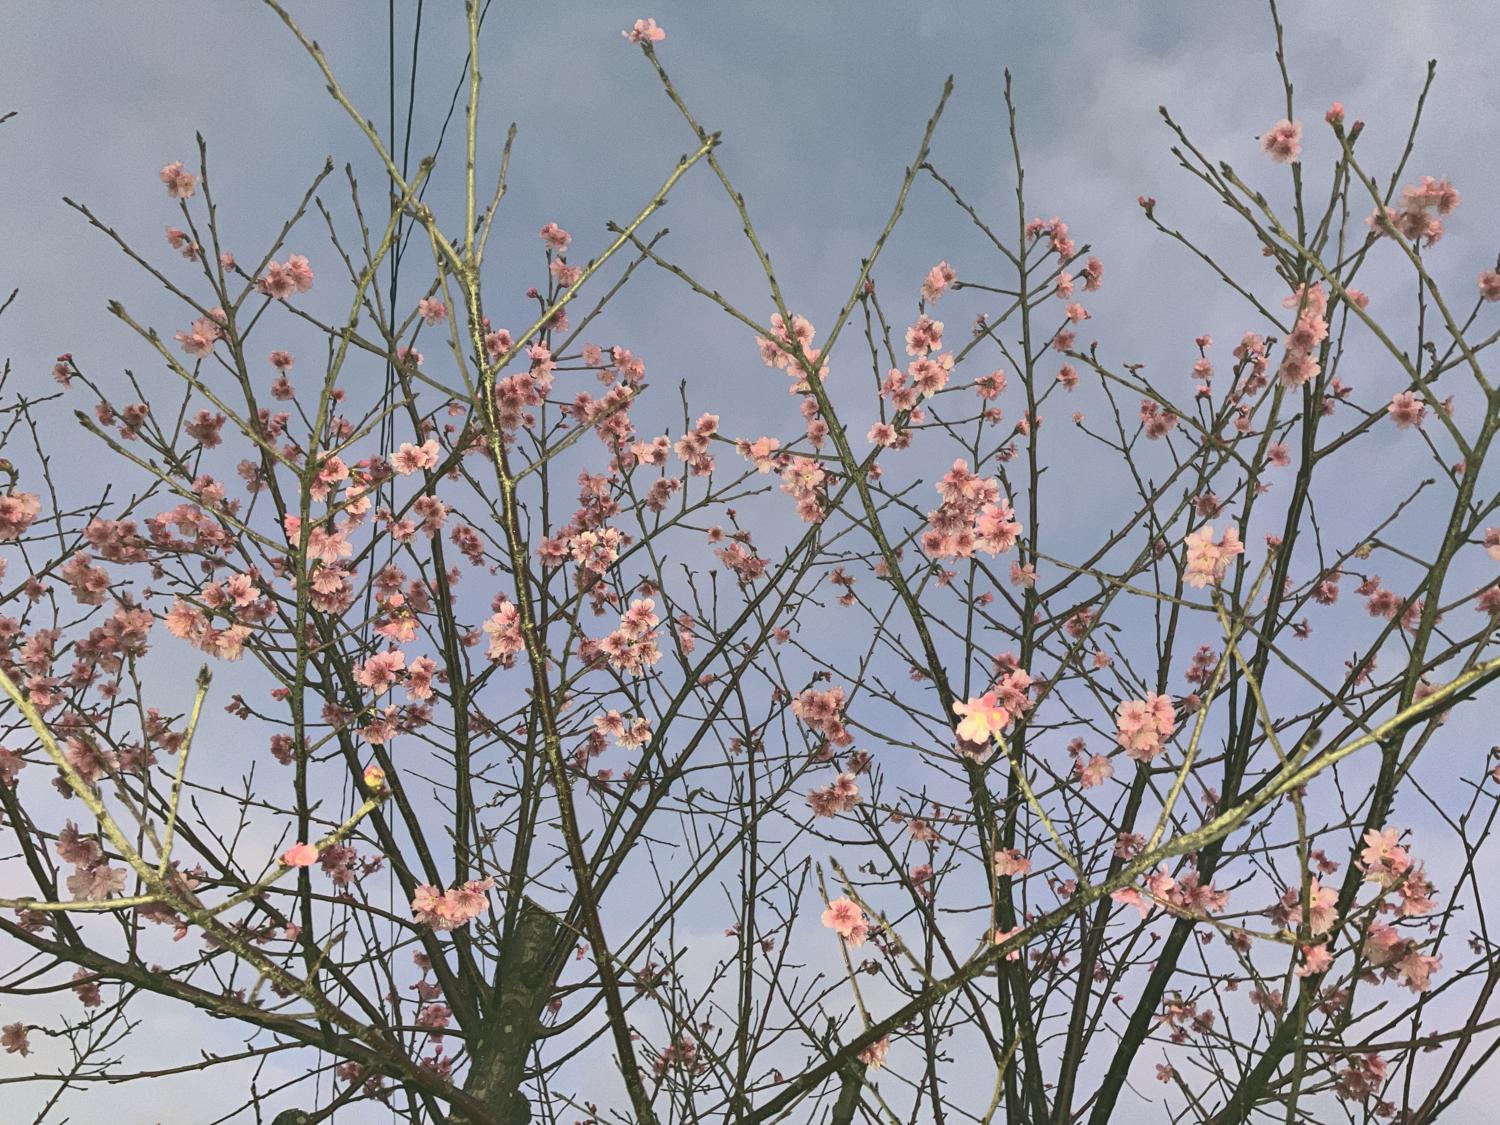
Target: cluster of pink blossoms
{"points": [[1419, 216], [1207, 560], [240, 602], [1142, 725], [823, 711], [1185, 895], [633, 647], [874, 1055], [972, 517], [1157, 421], [504, 631], [281, 280], [1009, 863], [300, 855], [780, 351], [18, 510], [415, 458], [595, 551], [845, 918], [15, 1039], [925, 376], [627, 732], [840, 796], [692, 447], [93, 878], [644, 31], [937, 281], [804, 479], [1400, 958], [1407, 410], [984, 718], [1389, 865], [1282, 142], [1056, 231], [1300, 364], [180, 182], [447, 910], [201, 336]]}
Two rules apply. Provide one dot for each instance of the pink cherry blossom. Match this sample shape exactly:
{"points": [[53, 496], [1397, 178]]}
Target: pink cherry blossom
{"points": [[937, 281], [281, 280], [1095, 771], [504, 630], [1385, 861], [199, 339], [450, 909], [415, 458], [1208, 561], [1143, 724], [1010, 862], [1283, 141], [981, 718], [874, 1055], [18, 510], [180, 182], [1406, 410], [300, 855], [845, 918], [14, 1039], [839, 797], [645, 31], [378, 674], [1316, 959]]}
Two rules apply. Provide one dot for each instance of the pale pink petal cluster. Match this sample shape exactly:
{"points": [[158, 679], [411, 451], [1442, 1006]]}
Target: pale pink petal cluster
{"points": [[779, 350], [415, 458], [982, 718], [503, 628], [645, 31], [18, 511], [180, 182], [1399, 958], [839, 797], [1141, 725], [972, 516], [282, 279], [450, 909], [845, 918], [1282, 142], [1419, 215], [1009, 862], [380, 673], [937, 281], [823, 711], [199, 339], [1300, 363], [632, 647], [1406, 410], [300, 855], [874, 1055], [1208, 560]]}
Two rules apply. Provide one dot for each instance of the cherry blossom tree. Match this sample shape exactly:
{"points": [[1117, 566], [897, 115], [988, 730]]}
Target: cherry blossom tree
{"points": [[601, 761]]}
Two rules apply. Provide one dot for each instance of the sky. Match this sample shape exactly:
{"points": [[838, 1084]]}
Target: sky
{"points": [[821, 108]]}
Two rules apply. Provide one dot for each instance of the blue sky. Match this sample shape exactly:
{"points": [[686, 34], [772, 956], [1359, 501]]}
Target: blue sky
{"points": [[821, 107]]}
